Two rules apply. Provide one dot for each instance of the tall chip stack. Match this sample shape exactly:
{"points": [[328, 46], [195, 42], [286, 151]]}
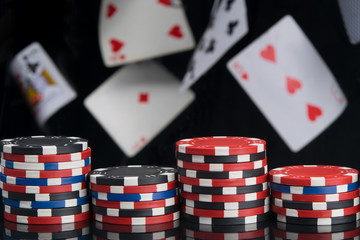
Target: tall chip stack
{"points": [[44, 179], [136, 200], [315, 195], [223, 180]]}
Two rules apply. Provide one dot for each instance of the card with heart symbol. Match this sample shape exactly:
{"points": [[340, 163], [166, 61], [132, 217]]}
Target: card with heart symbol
{"points": [[136, 30], [286, 78]]}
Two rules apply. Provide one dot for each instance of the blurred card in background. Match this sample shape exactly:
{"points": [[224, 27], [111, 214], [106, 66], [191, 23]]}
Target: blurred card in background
{"points": [[137, 30], [44, 87], [136, 103], [289, 82], [350, 11], [228, 24]]}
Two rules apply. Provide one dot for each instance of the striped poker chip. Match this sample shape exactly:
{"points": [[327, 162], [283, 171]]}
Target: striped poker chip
{"points": [[222, 167], [133, 175], [134, 197], [46, 228], [42, 181], [223, 175], [138, 236], [84, 237], [46, 174], [339, 235], [47, 158], [225, 221], [45, 166], [49, 235], [220, 159], [176, 237], [224, 190], [219, 236], [134, 189], [225, 228], [315, 190], [226, 198], [314, 175], [136, 205], [47, 212], [43, 189], [225, 213], [220, 146], [137, 220], [317, 221], [46, 220], [315, 197], [207, 182], [135, 213], [317, 229], [226, 205], [315, 205], [137, 228], [44, 196], [315, 213], [43, 145], [50, 204]]}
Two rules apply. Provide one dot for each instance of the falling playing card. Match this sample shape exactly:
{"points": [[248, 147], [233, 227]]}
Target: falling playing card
{"points": [[350, 10], [228, 25], [284, 75], [136, 103], [136, 30]]}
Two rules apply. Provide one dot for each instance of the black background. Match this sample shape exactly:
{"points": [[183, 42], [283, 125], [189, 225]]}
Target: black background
{"points": [[67, 29]]}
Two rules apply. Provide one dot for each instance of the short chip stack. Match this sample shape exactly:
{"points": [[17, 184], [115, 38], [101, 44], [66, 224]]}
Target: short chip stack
{"points": [[315, 194], [223, 180], [44, 179], [134, 195]]}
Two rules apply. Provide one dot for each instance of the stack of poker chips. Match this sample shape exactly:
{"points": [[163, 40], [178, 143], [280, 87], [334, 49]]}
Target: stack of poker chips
{"points": [[134, 195], [223, 180], [43, 179], [315, 194]]}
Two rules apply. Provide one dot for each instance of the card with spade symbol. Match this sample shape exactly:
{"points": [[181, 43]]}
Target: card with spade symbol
{"points": [[136, 30], [228, 24], [287, 79]]}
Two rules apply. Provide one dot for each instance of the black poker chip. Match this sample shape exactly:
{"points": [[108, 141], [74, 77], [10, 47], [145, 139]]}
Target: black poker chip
{"points": [[315, 205], [43, 145], [44, 196], [133, 175], [139, 236], [223, 175], [289, 227], [225, 221], [47, 212], [226, 205], [136, 213], [47, 235], [223, 190], [220, 159], [317, 221]]}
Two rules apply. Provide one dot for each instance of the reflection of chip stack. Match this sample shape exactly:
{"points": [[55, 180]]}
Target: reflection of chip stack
{"points": [[43, 179], [315, 194], [223, 180], [134, 195]]}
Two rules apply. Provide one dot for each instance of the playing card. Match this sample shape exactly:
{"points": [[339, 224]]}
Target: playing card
{"points": [[286, 78], [136, 103], [228, 24], [350, 10], [44, 87], [136, 30]]}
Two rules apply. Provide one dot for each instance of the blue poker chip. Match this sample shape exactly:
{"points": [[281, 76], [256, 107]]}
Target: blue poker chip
{"points": [[42, 181], [45, 166], [134, 197], [49, 204], [314, 190]]}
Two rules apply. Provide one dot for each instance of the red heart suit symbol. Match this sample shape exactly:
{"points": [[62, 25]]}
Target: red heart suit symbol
{"points": [[165, 2], [245, 76], [313, 112], [116, 45], [268, 53], [175, 31], [111, 9], [292, 85]]}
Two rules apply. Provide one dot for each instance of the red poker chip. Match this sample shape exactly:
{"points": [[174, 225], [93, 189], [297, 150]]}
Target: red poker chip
{"points": [[220, 146], [237, 182], [43, 189], [47, 220], [222, 167], [318, 236], [315, 213], [137, 228], [219, 236], [136, 205], [315, 197], [47, 158], [46, 228], [137, 220], [313, 175], [225, 213], [45, 174], [134, 189], [226, 198]]}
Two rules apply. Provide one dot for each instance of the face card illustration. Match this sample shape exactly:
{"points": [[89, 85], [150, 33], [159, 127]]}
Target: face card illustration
{"points": [[286, 78], [136, 30], [227, 25], [136, 103]]}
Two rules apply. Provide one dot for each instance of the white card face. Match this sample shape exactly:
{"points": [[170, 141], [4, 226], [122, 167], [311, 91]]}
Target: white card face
{"points": [[286, 78], [137, 30], [228, 25], [136, 103], [44, 87]]}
